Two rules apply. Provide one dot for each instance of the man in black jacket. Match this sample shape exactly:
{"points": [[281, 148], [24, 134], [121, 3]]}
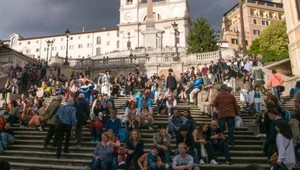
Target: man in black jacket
{"points": [[218, 140], [185, 137], [82, 114]]}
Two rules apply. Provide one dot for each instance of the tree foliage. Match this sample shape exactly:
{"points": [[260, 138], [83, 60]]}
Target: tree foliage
{"points": [[272, 43], [202, 37]]}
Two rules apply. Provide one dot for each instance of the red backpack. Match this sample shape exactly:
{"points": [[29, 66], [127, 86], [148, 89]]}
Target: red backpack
{"points": [[2, 122]]}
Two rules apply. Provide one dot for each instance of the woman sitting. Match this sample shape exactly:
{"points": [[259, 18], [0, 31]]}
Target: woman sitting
{"points": [[103, 154], [151, 160], [115, 141], [132, 123], [131, 109], [145, 116], [95, 127], [135, 148], [7, 89]]}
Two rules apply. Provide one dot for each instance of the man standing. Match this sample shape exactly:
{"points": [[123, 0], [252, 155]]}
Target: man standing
{"points": [[82, 113], [66, 117], [227, 109], [50, 112]]}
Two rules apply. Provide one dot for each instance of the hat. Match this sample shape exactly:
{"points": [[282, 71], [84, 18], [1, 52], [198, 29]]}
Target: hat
{"points": [[81, 95], [224, 87]]}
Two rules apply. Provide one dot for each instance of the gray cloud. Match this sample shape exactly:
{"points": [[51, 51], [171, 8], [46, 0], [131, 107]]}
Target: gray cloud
{"points": [[45, 17]]}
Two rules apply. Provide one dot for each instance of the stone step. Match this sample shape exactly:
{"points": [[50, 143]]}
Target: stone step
{"points": [[37, 165]]}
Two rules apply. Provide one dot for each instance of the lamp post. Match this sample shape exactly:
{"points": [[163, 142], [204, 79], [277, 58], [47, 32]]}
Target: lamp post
{"points": [[218, 32], [128, 42], [48, 44], [67, 33], [176, 34]]}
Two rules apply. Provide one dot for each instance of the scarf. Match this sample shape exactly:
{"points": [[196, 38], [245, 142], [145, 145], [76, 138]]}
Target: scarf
{"points": [[151, 160]]}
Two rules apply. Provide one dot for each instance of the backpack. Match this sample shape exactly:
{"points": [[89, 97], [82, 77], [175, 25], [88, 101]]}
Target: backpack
{"points": [[286, 115], [122, 135], [2, 122]]}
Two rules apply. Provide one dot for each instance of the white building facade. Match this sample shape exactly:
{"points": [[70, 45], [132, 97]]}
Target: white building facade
{"points": [[113, 42]]}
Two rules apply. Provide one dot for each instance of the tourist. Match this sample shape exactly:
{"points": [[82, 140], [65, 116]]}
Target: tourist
{"points": [[284, 143], [7, 137], [114, 123], [96, 128], [256, 99], [207, 106], [97, 110], [82, 114], [227, 109], [132, 123], [102, 157], [171, 81], [135, 147], [131, 109], [146, 99], [145, 115], [171, 103], [204, 148], [190, 123], [181, 95], [7, 89], [150, 160], [162, 141], [66, 117], [294, 90], [275, 81], [175, 122], [115, 141], [161, 104], [216, 137], [26, 113], [197, 86], [183, 160], [245, 89]]}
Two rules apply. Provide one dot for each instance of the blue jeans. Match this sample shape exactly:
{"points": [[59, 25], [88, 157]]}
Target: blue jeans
{"points": [[230, 125], [209, 150], [246, 96], [193, 152], [135, 158], [276, 90], [6, 139], [258, 107], [114, 162], [170, 111], [222, 146], [104, 164], [172, 128], [166, 154]]}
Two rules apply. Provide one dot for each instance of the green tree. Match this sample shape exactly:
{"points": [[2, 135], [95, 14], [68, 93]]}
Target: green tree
{"points": [[202, 37], [272, 43]]}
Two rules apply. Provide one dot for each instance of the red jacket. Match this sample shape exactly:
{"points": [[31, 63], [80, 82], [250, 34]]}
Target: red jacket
{"points": [[98, 125], [226, 105]]}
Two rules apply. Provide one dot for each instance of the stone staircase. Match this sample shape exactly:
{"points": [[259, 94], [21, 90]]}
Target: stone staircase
{"points": [[28, 152]]}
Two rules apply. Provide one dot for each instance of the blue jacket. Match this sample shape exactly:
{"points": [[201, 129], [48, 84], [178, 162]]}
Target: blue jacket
{"points": [[67, 115], [149, 102], [86, 90], [198, 82], [115, 125]]}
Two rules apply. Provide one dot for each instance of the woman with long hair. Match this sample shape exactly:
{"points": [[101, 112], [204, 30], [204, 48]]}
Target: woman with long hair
{"points": [[115, 141], [284, 141], [245, 89], [135, 147], [103, 154], [204, 148]]}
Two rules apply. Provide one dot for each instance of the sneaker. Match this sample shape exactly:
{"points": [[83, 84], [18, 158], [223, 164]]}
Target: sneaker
{"points": [[261, 135], [229, 162], [167, 166], [214, 162], [196, 168], [40, 128], [201, 162], [22, 126]]}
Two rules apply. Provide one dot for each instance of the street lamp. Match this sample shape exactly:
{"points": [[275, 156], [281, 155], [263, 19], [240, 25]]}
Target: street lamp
{"points": [[218, 33], [67, 33], [176, 34], [128, 42], [48, 44]]}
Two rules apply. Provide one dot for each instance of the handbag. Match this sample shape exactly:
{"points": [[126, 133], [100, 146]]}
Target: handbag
{"points": [[203, 151], [274, 157], [281, 88]]}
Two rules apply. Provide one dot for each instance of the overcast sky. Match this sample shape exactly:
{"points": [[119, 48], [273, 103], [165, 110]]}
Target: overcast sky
{"points": [[46, 17]]}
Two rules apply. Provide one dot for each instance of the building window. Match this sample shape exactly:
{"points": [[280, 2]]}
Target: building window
{"points": [[234, 41], [266, 23], [118, 44], [117, 33], [298, 9], [88, 36], [129, 2], [62, 47], [20, 43], [79, 37], [28, 42], [89, 45], [71, 38], [62, 39], [71, 46], [28, 50], [80, 45], [98, 51], [256, 32], [37, 41], [107, 43], [98, 40], [254, 21], [37, 50], [53, 48]]}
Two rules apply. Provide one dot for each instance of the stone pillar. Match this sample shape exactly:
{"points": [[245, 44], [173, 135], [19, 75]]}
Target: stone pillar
{"points": [[177, 68]]}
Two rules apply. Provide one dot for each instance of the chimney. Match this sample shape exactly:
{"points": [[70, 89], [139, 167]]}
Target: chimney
{"points": [[83, 29]]}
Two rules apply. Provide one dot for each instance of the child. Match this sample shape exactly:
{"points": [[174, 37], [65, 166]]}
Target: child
{"points": [[256, 99], [96, 127]]}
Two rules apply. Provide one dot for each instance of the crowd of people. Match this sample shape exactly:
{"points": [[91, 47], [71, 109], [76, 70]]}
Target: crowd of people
{"points": [[91, 103]]}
